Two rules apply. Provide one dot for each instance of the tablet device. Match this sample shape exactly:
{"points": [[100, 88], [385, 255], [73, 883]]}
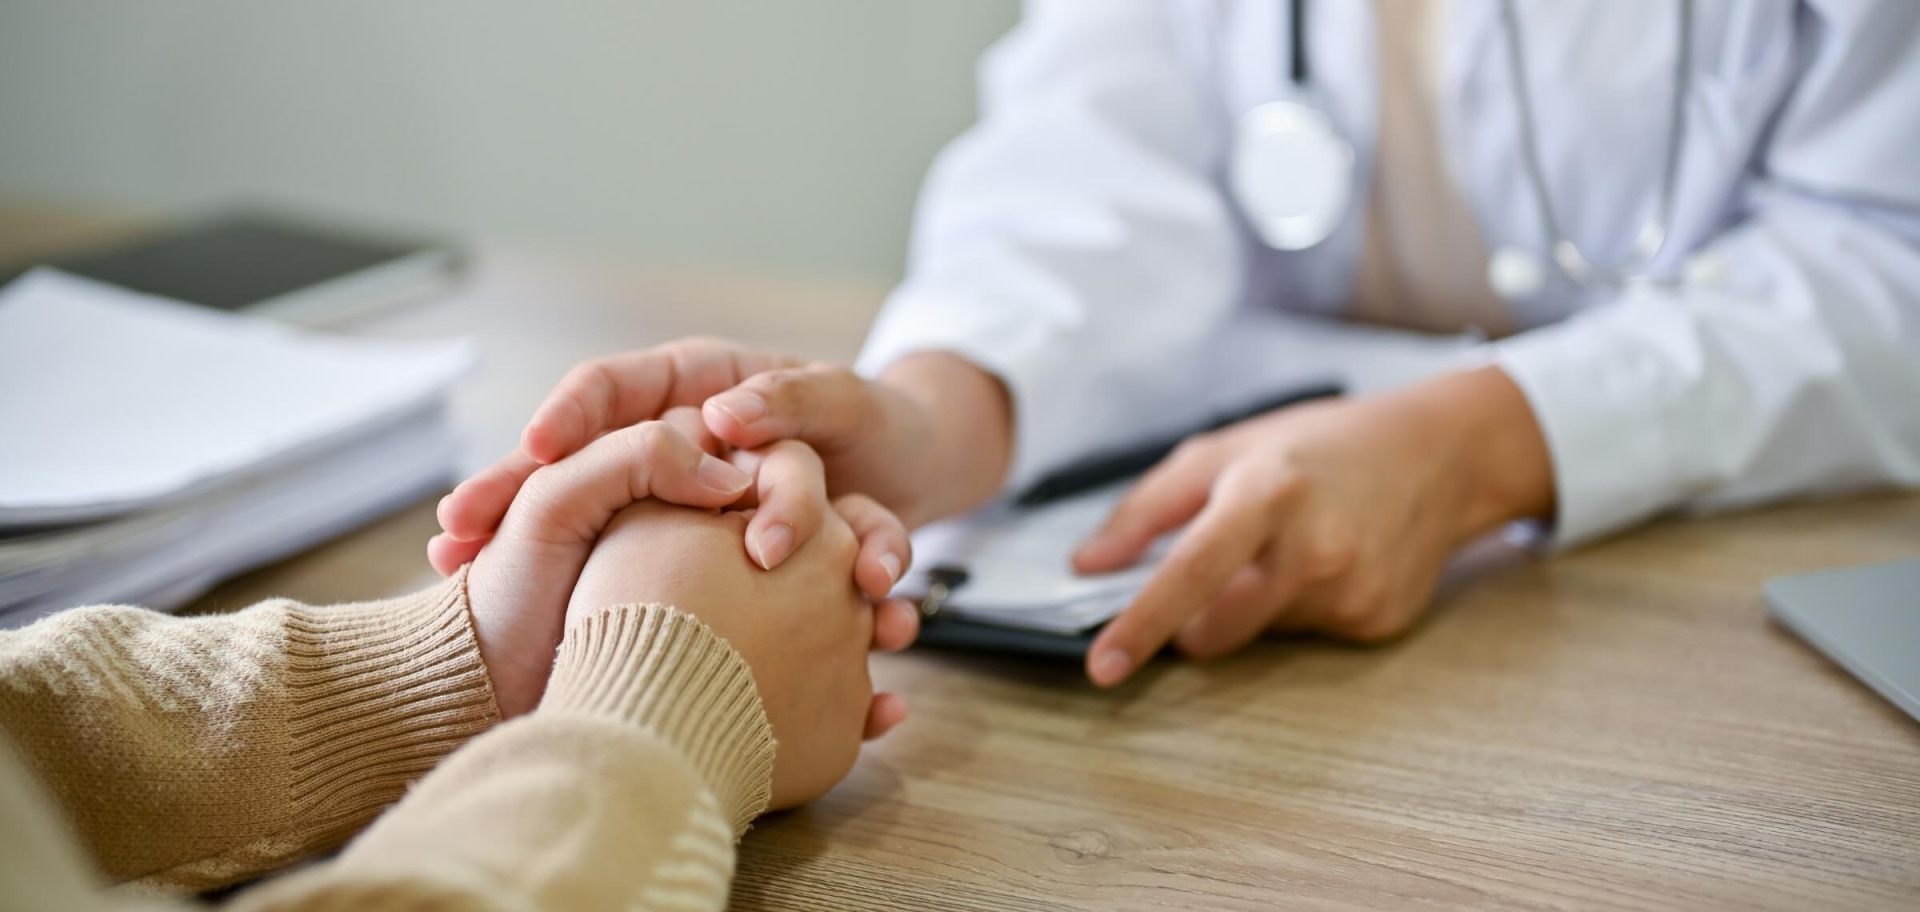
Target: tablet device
{"points": [[1866, 619]]}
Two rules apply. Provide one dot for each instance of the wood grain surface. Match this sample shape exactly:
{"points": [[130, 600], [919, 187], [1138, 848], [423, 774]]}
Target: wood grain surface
{"points": [[1615, 728]]}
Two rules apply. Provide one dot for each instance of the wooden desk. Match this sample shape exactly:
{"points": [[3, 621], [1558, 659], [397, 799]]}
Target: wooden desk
{"points": [[1616, 728]]}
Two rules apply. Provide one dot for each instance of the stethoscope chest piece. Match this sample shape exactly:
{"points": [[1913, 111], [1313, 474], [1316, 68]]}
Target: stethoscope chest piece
{"points": [[1292, 173]]}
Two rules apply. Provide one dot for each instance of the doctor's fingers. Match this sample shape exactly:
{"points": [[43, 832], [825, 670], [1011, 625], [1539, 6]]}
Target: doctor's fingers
{"points": [[618, 390], [1253, 599], [1170, 494], [825, 405], [1360, 610], [1235, 525]]}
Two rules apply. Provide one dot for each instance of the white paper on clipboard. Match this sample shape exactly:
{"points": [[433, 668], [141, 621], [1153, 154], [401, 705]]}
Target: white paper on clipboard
{"points": [[1019, 565]]}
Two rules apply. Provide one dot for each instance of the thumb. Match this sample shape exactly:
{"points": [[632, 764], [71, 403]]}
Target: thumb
{"points": [[825, 405]]}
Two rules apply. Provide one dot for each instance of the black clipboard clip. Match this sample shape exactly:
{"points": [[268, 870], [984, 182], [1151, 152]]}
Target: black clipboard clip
{"points": [[941, 581]]}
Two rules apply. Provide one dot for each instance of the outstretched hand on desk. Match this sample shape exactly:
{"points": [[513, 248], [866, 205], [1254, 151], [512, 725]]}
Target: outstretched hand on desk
{"points": [[1335, 517]]}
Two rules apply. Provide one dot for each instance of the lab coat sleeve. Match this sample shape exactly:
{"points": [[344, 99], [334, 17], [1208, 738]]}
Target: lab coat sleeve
{"points": [[1796, 372], [1073, 243]]}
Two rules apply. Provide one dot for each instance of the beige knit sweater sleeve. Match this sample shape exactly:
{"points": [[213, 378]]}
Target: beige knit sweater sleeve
{"points": [[190, 752]]}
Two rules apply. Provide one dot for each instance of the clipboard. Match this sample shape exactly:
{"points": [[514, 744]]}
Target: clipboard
{"points": [[1020, 547], [973, 636]]}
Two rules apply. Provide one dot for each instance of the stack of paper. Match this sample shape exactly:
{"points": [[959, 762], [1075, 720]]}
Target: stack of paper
{"points": [[150, 448]]}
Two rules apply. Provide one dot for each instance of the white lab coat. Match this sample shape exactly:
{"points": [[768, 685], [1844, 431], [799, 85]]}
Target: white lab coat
{"points": [[1079, 243]]}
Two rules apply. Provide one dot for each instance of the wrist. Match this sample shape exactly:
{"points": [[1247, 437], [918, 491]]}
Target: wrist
{"points": [[666, 671], [1500, 456], [515, 644], [962, 420]]}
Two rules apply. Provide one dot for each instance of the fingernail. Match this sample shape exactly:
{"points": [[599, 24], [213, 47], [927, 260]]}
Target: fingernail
{"points": [[772, 544], [744, 408], [1110, 666], [716, 474], [890, 562]]}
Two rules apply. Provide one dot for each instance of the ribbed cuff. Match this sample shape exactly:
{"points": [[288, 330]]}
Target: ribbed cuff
{"points": [[380, 693], [662, 669]]}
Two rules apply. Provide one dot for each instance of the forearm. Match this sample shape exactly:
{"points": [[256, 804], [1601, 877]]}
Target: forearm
{"points": [[193, 752], [624, 790], [967, 428]]}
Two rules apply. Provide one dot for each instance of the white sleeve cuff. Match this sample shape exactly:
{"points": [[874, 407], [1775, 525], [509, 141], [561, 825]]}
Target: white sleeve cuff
{"points": [[1010, 349], [1601, 391]]}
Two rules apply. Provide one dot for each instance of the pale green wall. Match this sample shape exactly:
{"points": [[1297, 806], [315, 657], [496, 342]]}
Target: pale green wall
{"points": [[784, 134]]}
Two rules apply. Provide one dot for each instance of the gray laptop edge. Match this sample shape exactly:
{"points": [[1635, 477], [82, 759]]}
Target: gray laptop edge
{"points": [[1866, 619]]}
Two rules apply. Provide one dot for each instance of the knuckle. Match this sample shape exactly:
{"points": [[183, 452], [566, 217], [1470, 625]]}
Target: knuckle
{"points": [[856, 505], [798, 503], [585, 374], [1358, 610], [1248, 481], [1130, 516], [1199, 646], [786, 383], [1327, 555], [826, 383], [1191, 450], [840, 544], [797, 457], [541, 496], [1197, 571], [652, 438], [1287, 488], [845, 546], [1376, 627]]}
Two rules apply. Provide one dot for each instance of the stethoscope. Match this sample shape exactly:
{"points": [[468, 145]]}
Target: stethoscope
{"points": [[1294, 173]]}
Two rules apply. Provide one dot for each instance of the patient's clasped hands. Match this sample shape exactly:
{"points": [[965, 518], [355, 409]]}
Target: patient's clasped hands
{"points": [[657, 512]]}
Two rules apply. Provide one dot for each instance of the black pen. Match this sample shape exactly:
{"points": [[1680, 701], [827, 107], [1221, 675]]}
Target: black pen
{"points": [[1117, 465]]}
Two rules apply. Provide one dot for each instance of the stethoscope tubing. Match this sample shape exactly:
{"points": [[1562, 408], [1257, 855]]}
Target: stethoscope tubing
{"points": [[1566, 255]]}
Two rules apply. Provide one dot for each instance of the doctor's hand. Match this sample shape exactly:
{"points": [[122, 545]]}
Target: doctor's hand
{"points": [[930, 438], [1335, 517]]}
